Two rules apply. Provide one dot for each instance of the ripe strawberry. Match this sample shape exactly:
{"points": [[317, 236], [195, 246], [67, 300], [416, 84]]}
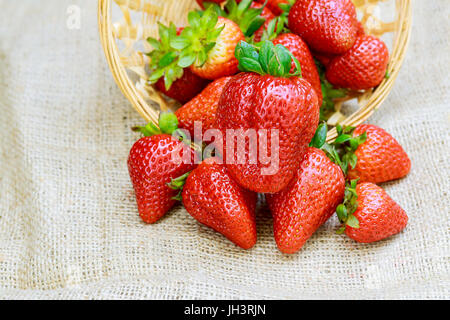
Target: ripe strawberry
{"points": [[212, 197], [184, 88], [326, 26], [307, 202], [380, 158], [268, 100], [151, 168], [300, 50], [207, 45], [362, 67], [377, 215], [202, 108]]}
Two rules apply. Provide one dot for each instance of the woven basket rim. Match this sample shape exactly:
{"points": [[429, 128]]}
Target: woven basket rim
{"points": [[128, 88]]}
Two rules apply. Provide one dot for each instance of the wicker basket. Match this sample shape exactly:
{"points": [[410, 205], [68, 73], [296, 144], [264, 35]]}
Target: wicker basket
{"points": [[123, 39]]}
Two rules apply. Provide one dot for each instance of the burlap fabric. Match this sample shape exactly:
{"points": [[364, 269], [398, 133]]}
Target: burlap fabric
{"points": [[68, 220]]}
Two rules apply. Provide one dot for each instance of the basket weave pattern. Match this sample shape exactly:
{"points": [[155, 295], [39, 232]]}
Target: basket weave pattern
{"points": [[130, 32]]}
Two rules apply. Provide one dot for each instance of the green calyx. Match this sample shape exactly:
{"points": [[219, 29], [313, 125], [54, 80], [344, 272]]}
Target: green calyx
{"points": [[164, 58], [345, 211], [346, 145], [197, 39], [329, 93], [178, 184], [320, 137], [247, 18], [167, 123], [278, 25], [342, 150], [268, 59]]}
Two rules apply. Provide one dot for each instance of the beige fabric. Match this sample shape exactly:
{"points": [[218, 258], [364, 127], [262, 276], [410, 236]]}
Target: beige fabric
{"points": [[68, 221]]}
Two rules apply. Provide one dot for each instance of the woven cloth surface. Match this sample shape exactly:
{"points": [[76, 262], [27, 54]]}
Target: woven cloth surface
{"points": [[69, 227]]}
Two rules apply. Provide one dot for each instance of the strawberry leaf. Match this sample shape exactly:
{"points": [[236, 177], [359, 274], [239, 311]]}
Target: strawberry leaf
{"points": [[164, 58], [270, 59], [320, 136], [345, 211], [168, 122]]}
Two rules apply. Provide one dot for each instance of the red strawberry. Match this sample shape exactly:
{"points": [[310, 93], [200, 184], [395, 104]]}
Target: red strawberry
{"points": [[362, 67], [202, 108], [184, 88], [377, 214], [207, 45], [151, 167], [212, 197], [380, 158], [326, 26], [269, 102], [307, 202], [300, 50]]}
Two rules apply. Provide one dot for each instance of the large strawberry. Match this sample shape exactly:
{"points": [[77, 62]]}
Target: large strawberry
{"points": [[212, 197], [268, 108], [307, 202], [169, 78], [372, 216], [380, 158], [202, 108], [326, 26], [207, 45], [152, 166], [300, 50], [362, 67]]}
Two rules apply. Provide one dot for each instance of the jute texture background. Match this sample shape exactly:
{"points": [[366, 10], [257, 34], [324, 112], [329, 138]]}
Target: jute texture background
{"points": [[68, 220]]}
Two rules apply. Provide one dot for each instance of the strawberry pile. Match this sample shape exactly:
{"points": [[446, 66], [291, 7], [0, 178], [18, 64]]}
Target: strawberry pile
{"points": [[271, 69]]}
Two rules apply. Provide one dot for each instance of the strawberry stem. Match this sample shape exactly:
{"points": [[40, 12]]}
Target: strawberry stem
{"points": [[269, 59]]}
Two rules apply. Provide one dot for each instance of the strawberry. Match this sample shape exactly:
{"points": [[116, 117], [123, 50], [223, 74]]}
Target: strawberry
{"points": [[202, 108], [151, 168], [212, 197], [172, 80], [376, 217], [300, 50], [326, 26], [362, 67], [207, 45], [268, 100], [380, 158], [184, 88], [307, 202]]}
